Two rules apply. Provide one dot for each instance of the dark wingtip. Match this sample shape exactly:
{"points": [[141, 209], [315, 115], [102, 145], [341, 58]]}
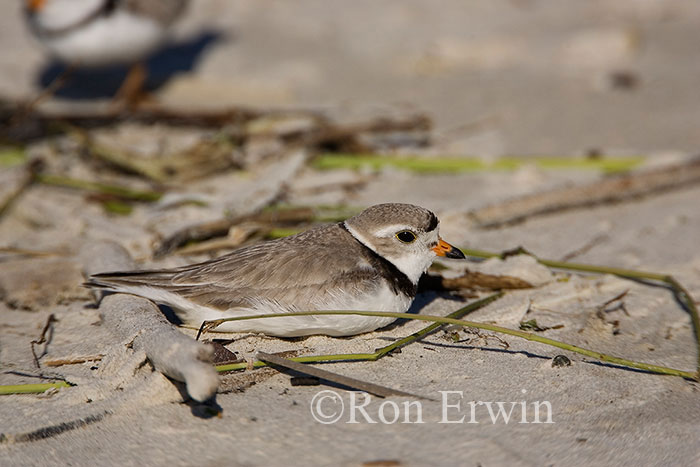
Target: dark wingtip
{"points": [[93, 284]]}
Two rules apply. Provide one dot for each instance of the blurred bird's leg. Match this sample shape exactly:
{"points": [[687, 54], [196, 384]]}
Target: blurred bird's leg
{"points": [[57, 83], [131, 92]]}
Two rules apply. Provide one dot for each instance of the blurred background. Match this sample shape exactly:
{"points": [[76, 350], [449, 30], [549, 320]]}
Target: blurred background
{"points": [[260, 104], [499, 77]]}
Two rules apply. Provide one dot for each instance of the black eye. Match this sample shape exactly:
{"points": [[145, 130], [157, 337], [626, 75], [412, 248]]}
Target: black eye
{"points": [[406, 236]]}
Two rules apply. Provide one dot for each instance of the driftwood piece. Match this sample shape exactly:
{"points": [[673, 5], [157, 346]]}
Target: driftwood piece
{"points": [[321, 132], [472, 280], [37, 124], [137, 320], [205, 157], [608, 190]]}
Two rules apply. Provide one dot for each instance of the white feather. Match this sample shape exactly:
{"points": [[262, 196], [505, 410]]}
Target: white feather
{"points": [[333, 325], [121, 37], [391, 230]]}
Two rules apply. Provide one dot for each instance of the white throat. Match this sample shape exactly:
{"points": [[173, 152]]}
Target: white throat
{"points": [[412, 265]]}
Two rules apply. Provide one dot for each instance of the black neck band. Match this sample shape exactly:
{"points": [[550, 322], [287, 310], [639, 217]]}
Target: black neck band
{"points": [[400, 283]]}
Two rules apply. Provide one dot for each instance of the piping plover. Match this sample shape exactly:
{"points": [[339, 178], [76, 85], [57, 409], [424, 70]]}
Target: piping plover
{"points": [[104, 32], [371, 261]]}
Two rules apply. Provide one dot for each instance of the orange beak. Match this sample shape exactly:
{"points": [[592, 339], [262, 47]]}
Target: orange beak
{"points": [[35, 5], [448, 251]]}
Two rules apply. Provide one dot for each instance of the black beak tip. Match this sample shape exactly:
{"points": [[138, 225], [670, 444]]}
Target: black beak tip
{"points": [[455, 253]]}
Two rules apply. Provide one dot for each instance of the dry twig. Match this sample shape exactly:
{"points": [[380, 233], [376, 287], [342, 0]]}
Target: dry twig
{"points": [[43, 339], [377, 390], [608, 190]]}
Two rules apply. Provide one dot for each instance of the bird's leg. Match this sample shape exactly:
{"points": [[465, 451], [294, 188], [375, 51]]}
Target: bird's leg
{"points": [[131, 90], [57, 83]]}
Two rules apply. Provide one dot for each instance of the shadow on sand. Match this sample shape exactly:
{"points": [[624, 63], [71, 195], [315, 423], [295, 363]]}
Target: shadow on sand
{"points": [[94, 83]]}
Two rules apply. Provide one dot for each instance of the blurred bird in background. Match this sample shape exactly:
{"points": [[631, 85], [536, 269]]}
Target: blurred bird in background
{"points": [[99, 33]]}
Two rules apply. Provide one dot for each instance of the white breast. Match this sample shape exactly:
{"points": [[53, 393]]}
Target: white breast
{"points": [[118, 38]]}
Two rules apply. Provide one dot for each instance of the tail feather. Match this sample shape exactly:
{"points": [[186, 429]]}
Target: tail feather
{"points": [[120, 279], [158, 286]]}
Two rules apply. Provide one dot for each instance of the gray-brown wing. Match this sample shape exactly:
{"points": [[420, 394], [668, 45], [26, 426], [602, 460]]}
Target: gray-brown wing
{"points": [[293, 271]]}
